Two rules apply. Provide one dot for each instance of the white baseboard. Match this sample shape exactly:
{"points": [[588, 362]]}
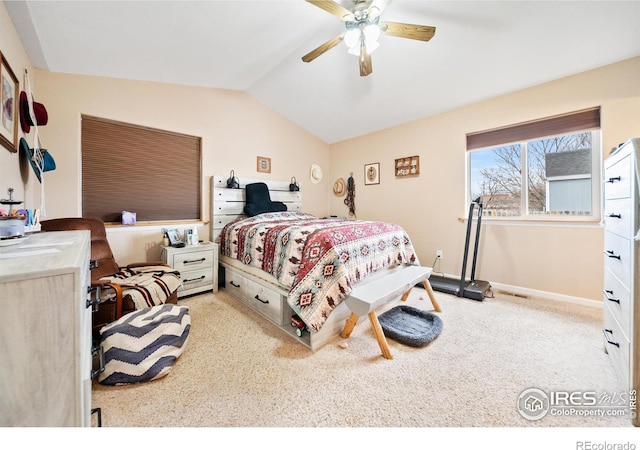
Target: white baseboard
{"points": [[527, 292]]}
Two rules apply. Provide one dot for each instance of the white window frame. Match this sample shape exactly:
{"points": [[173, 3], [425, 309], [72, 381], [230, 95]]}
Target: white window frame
{"points": [[596, 187]]}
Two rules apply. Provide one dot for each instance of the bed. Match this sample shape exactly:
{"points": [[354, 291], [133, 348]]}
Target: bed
{"points": [[290, 264]]}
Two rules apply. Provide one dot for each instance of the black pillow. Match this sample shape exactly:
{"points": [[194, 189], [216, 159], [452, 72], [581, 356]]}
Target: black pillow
{"points": [[258, 200]]}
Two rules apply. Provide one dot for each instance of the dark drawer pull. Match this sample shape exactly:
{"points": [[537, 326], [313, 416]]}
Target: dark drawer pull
{"points": [[100, 352], [233, 284], [98, 411], [257, 297], [194, 261], [611, 254], [200, 278], [608, 294], [93, 301], [613, 179], [615, 216], [605, 331]]}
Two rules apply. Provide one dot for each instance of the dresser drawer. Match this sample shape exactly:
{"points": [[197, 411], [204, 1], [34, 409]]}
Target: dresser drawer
{"points": [[265, 301], [184, 262], [617, 179], [617, 347], [617, 259], [618, 217], [618, 298]]}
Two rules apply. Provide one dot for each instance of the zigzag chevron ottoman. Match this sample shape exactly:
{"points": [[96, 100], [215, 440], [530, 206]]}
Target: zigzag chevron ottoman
{"points": [[143, 345]]}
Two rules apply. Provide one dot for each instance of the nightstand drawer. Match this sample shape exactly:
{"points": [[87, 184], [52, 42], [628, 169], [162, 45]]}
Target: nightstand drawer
{"points": [[196, 278], [195, 260]]}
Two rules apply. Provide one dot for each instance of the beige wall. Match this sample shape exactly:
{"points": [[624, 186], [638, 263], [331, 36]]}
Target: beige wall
{"points": [[236, 128], [564, 260], [14, 168]]}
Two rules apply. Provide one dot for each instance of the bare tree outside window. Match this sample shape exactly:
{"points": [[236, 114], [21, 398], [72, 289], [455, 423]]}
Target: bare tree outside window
{"points": [[558, 176]]}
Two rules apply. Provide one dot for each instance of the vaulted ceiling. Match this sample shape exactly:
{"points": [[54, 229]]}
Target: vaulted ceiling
{"points": [[481, 49]]}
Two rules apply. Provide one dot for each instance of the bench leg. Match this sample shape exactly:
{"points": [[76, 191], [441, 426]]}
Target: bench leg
{"points": [[432, 296], [349, 325], [382, 340]]}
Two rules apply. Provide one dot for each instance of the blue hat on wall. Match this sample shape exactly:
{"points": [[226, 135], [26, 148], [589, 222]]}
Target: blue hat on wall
{"points": [[46, 163]]}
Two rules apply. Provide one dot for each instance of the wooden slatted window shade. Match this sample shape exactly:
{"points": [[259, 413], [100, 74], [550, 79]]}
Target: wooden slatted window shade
{"points": [[154, 173], [584, 120]]}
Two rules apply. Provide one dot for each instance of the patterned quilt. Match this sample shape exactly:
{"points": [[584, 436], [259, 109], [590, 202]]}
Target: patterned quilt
{"points": [[319, 260]]}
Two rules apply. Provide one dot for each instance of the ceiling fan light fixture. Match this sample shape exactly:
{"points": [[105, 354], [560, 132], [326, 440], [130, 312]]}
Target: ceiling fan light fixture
{"points": [[352, 37]]}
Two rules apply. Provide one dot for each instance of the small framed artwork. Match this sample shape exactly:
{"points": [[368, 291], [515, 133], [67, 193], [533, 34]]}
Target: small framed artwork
{"points": [[264, 164], [8, 106], [174, 237], [407, 166], [372, 173]]}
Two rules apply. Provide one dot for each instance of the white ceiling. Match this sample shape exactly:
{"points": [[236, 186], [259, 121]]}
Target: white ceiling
{"points": [[481, 49]]}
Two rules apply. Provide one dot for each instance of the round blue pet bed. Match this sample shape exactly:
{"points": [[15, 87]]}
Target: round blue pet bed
{"points": [[410, 326]]}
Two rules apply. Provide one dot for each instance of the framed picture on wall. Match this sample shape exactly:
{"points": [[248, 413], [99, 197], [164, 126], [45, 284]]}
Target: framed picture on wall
{"points": [[372, 173], [9, 106], [264, 164]]}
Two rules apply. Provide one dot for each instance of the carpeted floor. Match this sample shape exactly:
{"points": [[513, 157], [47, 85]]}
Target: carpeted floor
{"points": [[239, 370]]}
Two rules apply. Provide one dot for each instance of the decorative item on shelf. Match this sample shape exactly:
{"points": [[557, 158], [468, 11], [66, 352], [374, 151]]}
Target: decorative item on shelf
{"points": [[339, 187], [315, 174], [12, 224], [165, 238], [232, 181], [294, 186], [407, 166], [263, 164], [372, 173], [8, 106], [128, 218], [174, 238]]}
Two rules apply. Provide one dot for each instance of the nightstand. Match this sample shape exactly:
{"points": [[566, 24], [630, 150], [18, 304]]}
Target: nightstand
{"points": [[197, 264]]}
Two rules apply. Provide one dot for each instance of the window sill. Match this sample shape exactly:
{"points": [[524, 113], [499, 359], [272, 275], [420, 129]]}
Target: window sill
{"points": [[156, 225], [565, 222]]}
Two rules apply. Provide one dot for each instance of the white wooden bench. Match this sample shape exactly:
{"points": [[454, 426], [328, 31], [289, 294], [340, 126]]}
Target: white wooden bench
{"points": [[386, 287]]}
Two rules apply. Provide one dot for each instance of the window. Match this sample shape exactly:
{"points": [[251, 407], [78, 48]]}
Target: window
{"points": [[154, 173], [547, 169]]}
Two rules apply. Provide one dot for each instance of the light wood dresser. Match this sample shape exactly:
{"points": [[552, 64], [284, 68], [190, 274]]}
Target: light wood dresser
{"points": [[622, 261], [45, 331]]}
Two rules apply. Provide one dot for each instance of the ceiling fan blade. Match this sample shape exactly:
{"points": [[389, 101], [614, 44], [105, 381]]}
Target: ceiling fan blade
{"points": [[407, 30], [313, 54], [365, 61], [333, 8]]}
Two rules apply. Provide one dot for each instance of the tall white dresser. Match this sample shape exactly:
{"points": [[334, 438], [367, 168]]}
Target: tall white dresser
{"points": [[45, 331], [622, 262]]}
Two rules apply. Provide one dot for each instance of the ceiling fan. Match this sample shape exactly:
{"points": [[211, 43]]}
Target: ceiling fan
{"points": [[363, 27]]}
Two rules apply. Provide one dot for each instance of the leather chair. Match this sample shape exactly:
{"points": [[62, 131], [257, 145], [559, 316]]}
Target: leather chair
{"points": [[107, 266]]}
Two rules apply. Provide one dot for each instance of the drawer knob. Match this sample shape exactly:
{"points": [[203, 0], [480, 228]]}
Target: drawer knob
{"points": [[605, 331], [611, 254], [257, 297], [609, 294], [613, 179]]}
